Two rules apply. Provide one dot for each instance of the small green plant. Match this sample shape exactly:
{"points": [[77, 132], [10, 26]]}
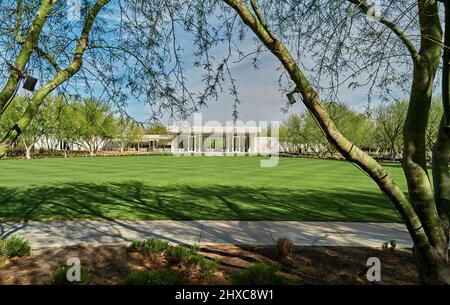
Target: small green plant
{"points": [[3, 260], [207, 266], [390, 245], [259, 274], [60, 277], [158, 277], [138, 278], [149, 246], [166, 277], [182, 253], [14, 247]]}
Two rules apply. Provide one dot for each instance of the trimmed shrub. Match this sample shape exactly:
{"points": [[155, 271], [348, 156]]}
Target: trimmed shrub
{"points": [[14, 247], [259, 274], [149, 246], [158, 277], [60, 276]]}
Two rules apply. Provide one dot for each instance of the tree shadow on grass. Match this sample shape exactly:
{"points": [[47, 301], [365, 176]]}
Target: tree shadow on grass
{"points": [[134, 200]]}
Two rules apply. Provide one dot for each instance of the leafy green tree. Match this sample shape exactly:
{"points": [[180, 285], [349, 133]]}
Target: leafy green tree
{"points": [[389, 123], [127, 132], [355, 126], [33, 133], [302, 129], [93, 124], [291, 133], [65, 130], [50, 121], [157, 128]]}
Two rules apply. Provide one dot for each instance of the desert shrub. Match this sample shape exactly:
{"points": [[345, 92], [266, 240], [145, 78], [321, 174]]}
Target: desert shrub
{"points": [[149, 246], [207, 266], [14, 247], [158, 277], [182, 253], [259, 274], [284, 247], [60, 277], [390, 245]]}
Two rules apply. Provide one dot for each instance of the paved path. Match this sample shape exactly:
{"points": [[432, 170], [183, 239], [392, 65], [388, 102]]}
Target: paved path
{"points": [[85, 232]]}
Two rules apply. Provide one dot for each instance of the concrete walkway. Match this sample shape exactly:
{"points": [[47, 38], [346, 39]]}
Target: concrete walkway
{"points": [[86, 232]]}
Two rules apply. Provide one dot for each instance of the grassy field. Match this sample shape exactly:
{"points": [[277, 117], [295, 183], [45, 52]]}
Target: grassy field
{"points": [[201, 188]]}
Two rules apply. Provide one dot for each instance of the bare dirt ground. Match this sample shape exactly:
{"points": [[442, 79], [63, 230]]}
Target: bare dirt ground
{"points": [[310, 265]]}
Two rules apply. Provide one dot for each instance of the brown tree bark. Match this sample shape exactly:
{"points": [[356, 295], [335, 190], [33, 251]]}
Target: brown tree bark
{"points": [[419, 211]]}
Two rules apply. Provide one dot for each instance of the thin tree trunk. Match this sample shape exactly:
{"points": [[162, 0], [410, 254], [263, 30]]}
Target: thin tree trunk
{"points": [[27, 153], [60, 77], [91, 150], [28, 47], [424, 234]]}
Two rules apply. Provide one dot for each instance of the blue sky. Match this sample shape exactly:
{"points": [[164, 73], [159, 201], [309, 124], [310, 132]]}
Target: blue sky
{"points": [[259, 90], [260, 93]]}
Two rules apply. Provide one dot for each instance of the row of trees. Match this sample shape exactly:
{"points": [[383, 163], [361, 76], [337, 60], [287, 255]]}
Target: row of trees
{"points": [[379, 131], [87, 124]]}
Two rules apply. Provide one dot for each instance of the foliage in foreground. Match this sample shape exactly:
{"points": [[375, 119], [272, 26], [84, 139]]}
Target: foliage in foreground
{"points": [[60, 276], [188, 254], [207, 266], [149, 246], [259, 274], [158, 277], [13, 247], [182, 254]]}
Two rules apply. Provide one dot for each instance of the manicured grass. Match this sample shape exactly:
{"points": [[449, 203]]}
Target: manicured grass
{"points": [[182, 188]]}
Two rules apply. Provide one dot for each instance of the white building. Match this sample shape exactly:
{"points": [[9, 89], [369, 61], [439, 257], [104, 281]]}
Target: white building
{"points": [[220, 140], [212, 140]]}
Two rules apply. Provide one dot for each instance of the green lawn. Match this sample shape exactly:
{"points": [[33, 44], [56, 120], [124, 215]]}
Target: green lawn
{"points": [[201, 188]]}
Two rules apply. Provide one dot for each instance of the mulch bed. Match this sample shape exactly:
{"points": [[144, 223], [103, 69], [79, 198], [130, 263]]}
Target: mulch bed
{"points": [[309, 265]]}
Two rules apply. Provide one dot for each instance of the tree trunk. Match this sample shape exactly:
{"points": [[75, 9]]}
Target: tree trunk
{"points": [[61, 77], [27, 152], [420, 215], [28, 46], [434, 270]]}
